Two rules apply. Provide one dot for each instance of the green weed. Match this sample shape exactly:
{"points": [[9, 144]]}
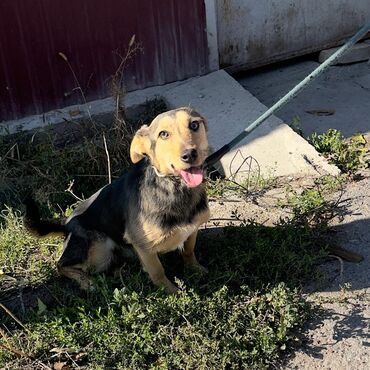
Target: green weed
{"points": [[348, 155], [187, 331], [312, 208], [295, 125], [253, 183]]}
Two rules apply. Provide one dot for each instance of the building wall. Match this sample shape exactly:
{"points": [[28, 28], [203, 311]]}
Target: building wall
{"points": [[93, 35], [257, 32]]}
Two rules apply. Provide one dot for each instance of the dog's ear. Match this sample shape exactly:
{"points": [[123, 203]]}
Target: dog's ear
{"points": [[140, 145], [205, 122]]}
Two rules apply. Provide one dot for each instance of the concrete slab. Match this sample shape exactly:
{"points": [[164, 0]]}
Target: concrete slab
{"points": [[71, 113], [275, 148], [342, 89], [357, 53], [96, 109]]}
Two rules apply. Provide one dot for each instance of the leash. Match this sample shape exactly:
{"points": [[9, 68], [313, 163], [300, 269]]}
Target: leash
{"points": [[217, 155]]}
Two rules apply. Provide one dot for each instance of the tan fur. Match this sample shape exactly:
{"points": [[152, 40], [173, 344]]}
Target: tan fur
{"points": [[77, 273], [149, 239], [156, 240], [152, 265], [165, 155], [100, 255], [188, 253], [140, 145], [160, 240]]}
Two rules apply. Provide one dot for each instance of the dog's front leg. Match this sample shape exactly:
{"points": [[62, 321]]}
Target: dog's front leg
{"points": [[152, 265], [188, 254]]}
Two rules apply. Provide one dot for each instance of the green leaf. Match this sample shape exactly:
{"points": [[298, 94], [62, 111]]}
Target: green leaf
{"points": [[41, 307]]}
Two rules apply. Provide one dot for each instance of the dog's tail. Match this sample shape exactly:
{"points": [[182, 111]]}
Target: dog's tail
{"points": [[35, 225]]}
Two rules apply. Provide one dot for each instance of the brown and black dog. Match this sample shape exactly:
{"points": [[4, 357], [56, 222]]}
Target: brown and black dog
{"points": [[156, 206]]}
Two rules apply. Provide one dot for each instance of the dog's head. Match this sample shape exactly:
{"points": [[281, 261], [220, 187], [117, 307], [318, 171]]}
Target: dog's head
{"points": [[176, 144]]}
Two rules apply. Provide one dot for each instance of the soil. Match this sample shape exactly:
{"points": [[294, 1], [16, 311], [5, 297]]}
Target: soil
{"points": [[338, 335]]}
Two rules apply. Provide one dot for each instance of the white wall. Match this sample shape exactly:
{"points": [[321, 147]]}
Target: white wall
{"points": [[257, 32], [211, 17]]}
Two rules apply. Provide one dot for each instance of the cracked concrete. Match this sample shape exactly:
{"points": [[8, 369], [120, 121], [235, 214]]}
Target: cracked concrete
{"points": [[344, 90]]}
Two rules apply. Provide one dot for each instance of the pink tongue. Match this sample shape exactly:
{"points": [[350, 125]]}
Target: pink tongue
{"points": [[193, 176]]}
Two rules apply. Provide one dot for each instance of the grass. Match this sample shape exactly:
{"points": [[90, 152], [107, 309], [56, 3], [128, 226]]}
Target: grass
{"points": [[314, 207], [21, 254], [244, 314], [349, 155]]}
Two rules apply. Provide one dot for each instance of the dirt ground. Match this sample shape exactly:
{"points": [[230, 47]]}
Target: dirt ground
{"points": [[338, 336]]}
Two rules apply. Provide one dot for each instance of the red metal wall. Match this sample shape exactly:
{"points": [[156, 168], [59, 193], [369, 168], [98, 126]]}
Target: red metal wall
{"points": [[35, 79]]}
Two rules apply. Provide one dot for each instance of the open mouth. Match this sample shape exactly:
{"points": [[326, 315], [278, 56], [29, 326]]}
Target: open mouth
{"points": [[192, 176]]}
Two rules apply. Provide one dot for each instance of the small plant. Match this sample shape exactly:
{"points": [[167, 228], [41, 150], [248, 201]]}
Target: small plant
{"points": [[310, 200], [295, 125], [316, 206], [329, 183], [348, 155], [253, 183], [216, 188]]}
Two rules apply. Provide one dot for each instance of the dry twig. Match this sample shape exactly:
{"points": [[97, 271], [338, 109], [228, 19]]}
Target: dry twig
{"points": [[108, 159], [15, 351], [13, 316]]}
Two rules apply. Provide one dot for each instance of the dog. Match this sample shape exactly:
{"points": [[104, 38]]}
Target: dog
{"points": [[156, 206]]}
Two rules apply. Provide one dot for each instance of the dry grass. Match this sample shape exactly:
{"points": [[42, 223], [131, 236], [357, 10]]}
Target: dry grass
{"points": [[51, 165]]}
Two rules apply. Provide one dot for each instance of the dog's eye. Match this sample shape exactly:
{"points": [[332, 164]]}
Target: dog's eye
{"points": [[194, 125], [164, 135]]}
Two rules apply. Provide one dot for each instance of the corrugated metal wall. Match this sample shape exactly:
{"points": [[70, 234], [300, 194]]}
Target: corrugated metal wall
{"points": [[92, 34]]}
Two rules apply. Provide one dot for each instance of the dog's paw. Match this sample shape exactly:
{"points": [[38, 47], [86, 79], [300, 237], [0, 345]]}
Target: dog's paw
{"points": [[87, 284], [197, 267], [172, 289]]}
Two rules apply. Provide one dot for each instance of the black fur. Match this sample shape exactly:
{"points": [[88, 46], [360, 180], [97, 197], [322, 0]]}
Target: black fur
{"points": [[151, 212], [138, 193], [164, 201], [34, 224]]}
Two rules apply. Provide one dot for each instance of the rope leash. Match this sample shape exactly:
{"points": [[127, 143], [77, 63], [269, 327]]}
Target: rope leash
{"points": [[217, 155]]}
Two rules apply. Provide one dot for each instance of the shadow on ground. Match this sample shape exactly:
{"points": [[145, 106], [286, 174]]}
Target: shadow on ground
{"points": [[252, 255]]}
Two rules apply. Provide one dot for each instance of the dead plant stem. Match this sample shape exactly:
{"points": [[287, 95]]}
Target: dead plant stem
{"points": [[108, 159], [13, 316]]}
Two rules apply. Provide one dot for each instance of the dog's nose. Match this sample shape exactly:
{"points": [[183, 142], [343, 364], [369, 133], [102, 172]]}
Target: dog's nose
{"points": [[189, 155]]}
